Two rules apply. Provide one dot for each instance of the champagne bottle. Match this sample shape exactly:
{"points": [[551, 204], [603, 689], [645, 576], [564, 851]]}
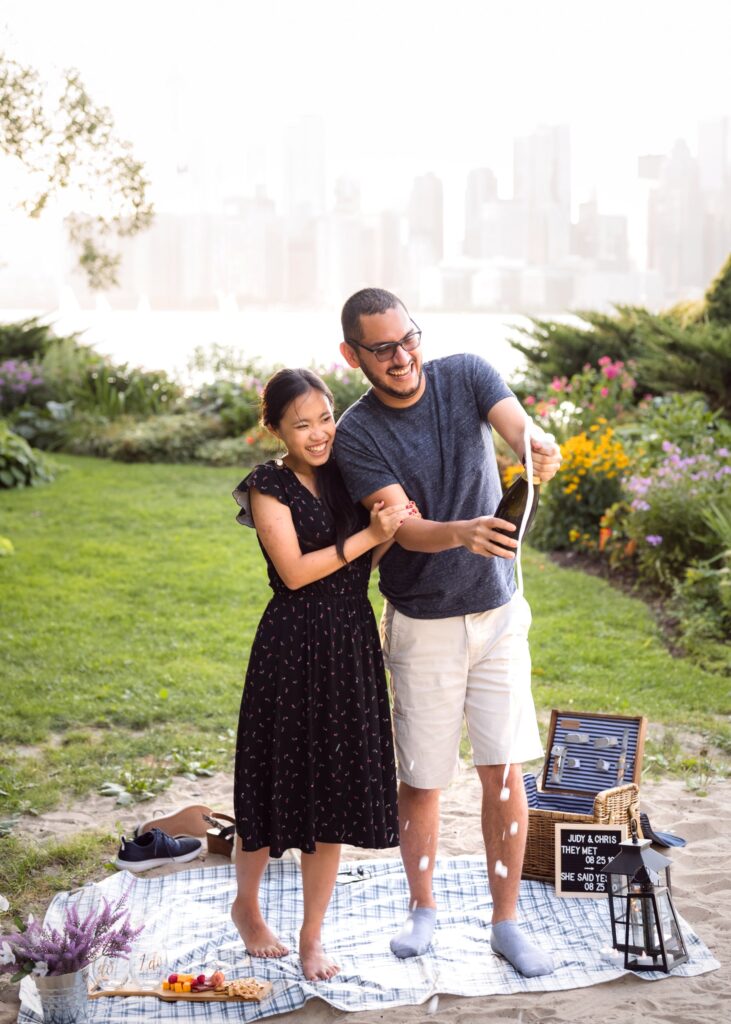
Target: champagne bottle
{"points": [[513, 504]]}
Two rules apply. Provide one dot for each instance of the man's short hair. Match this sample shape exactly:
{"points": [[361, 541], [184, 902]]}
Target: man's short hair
{"points": [[366, 302]]}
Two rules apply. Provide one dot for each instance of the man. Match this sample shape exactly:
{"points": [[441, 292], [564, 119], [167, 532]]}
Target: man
{"points": [[454, 628]]}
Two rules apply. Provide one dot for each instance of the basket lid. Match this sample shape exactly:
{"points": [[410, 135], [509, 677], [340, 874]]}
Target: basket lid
{"points": [[589, 752]]}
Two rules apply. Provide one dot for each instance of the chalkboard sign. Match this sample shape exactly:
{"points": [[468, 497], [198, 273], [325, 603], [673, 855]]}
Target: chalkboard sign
{"points": [[581, 853]]}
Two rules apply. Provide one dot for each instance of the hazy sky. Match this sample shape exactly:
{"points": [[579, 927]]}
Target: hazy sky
{"points": [[403, 86]]}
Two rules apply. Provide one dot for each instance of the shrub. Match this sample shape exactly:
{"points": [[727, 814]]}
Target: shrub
{"points": [[696, 357], [87, 433], [20, 465], [48, 428], [237, 402], [702, 602], [235, 395], [672, 351], [684, 419], [718, 296], [162, 438], [21, 383], [346, 384], [668, 517], [248, 449], [589, 481], [121, 390], [66, 364], [76, 373], [702, 599], [571, 404], [26, 339], [554, 349]]}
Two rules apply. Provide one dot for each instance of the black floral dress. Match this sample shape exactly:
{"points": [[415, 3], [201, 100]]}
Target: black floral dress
{"points": [[314, 753]]}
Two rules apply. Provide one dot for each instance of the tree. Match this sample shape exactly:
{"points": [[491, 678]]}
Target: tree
{"points": [[66, 144]]}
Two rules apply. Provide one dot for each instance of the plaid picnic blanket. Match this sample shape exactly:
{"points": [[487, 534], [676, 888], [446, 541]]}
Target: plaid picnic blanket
{"points": [[187, 924]]}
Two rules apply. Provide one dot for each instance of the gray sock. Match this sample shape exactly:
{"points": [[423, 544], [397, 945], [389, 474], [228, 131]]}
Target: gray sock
{"points": [[416, 935], [508, 940]]}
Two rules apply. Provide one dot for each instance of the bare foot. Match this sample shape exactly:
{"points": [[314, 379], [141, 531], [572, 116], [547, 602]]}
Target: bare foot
{"points": [[257, 936], [316, 964]]}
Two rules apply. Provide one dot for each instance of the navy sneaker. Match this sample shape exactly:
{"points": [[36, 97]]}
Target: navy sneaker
{"points": [[154, 848]]}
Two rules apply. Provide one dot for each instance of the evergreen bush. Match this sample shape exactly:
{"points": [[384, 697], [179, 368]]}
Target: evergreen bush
{"points": [[718, 296]]}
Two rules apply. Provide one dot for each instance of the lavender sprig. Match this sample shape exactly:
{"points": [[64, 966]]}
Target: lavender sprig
{"points": [[105, 932]]}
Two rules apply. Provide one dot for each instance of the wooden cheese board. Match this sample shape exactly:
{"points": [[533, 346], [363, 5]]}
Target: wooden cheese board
{"points": [[257, 992]]}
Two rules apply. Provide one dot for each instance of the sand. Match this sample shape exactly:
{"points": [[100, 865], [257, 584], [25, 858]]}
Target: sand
{"points": [[701, 885]]}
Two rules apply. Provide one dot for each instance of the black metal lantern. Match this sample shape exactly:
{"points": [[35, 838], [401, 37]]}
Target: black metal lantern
{"points": [[644, 923]]}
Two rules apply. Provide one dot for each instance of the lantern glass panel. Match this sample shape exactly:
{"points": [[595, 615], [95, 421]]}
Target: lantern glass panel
{"points": [[671, 934], [643, 935], [618, 889]]}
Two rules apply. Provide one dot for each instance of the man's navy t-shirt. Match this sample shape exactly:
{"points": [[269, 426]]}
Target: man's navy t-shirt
{"points": [[440, 450]]}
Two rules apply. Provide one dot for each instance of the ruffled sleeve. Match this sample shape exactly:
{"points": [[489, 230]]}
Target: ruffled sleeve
{"points": [[265, 478]]}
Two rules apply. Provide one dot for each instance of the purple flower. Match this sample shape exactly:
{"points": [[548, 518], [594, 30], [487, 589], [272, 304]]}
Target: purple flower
{"points": [[723, 453], [640, 506], [654, 539], [103, 932]]}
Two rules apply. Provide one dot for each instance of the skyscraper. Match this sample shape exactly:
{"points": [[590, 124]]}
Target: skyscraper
{"points": [[481, 189], [542, 182], [675, 224], [426, 219], [305, 169]]}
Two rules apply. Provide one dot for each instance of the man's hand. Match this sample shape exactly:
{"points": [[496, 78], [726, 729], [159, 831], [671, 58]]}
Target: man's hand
{"points": [[481, 537], [545, 453]]}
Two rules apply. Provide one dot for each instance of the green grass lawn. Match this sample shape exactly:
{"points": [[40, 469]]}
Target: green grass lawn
{"points": [[126, 618], [129, 607]]}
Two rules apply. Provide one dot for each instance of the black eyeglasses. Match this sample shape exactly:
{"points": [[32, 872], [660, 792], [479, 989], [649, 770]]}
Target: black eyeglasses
{"points": [[387, 350]]}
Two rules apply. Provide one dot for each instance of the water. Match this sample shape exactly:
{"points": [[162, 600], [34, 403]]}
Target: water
{"points": [[165, 340]]}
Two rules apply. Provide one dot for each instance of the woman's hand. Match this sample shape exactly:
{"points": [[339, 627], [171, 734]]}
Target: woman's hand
{"points": [[385, 521]]}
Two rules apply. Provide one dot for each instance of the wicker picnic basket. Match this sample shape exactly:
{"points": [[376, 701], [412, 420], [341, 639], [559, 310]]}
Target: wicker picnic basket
{"points": [[570, 790]]}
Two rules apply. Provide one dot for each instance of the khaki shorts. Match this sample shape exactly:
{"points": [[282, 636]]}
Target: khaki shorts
{"points": [[468, 667]]}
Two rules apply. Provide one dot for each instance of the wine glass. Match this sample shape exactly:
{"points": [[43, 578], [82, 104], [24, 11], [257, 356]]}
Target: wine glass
{"points": [[108, 973], [148, 967]]}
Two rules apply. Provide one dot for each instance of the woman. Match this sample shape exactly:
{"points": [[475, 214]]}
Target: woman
{"points": [[314, 756]]}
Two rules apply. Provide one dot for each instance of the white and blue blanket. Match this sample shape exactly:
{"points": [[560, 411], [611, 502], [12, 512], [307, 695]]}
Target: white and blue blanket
{"points": [[187, 923]]}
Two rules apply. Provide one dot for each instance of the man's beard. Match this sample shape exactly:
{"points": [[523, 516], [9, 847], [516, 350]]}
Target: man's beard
{"points": [[379, 386]]}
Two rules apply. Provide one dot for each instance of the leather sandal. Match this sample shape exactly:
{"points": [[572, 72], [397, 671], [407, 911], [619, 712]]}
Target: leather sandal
{"points": [[220, 837]]}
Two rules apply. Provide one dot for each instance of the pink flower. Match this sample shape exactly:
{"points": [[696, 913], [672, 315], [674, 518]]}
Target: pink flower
{"points": [[530, 400], [604, 392], [604, 361], [553, 401], [611, 371], [557, 383]]}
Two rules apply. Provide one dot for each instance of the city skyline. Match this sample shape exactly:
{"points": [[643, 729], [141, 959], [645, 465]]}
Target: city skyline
{"points": [[523, 250], [242, 114]]}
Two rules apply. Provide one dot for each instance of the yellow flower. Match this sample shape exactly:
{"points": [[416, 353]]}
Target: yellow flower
{"points": [[511, 473]]}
